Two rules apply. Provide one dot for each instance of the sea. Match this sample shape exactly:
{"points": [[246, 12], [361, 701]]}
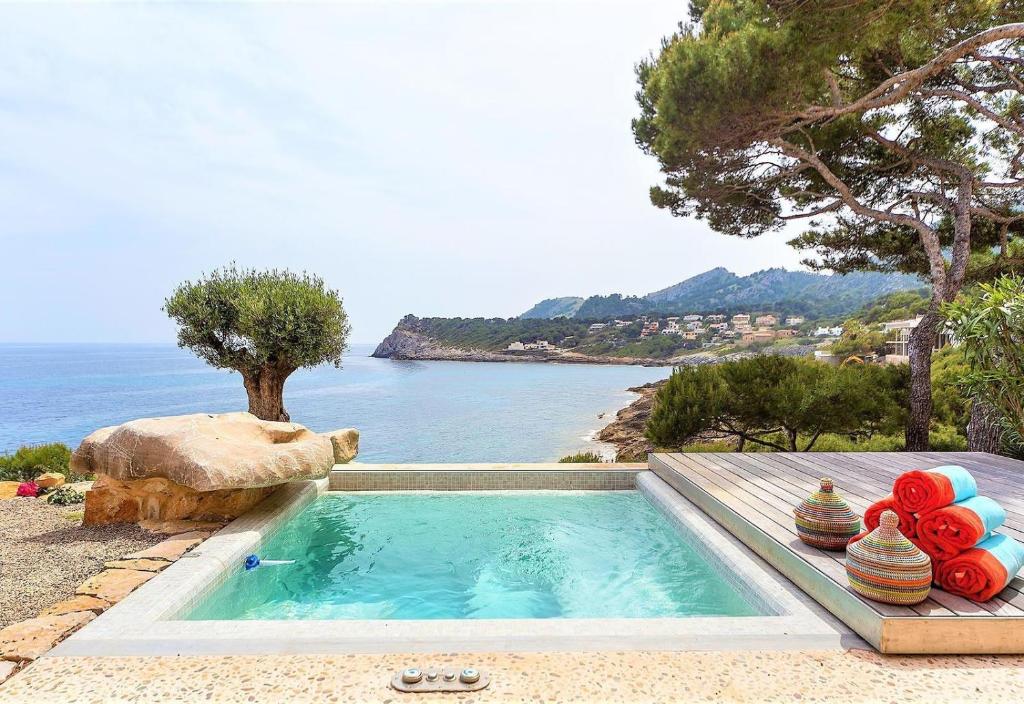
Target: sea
{"points": [[406, 411]]}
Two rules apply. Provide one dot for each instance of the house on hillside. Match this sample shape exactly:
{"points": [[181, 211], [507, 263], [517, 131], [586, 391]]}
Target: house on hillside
{"points": [[829, 332], [795, 320], [516, 346], [897, 339], [752, 336], [741, 322], [595, 327], [766, 321], [692, 318], [715, 318]]}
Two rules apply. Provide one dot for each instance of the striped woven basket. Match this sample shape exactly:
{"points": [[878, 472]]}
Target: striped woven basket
{"points": [[825, 520], [885, 566]]}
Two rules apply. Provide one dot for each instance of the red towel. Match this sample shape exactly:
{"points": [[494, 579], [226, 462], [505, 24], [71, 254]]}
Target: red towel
{"points": [[923, 491], [948, 531], [908, 522], [982, 572]]}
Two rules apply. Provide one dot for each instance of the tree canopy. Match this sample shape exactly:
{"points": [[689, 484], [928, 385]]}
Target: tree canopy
{"points": [[264, 324], [895, 128], [758, 398]]}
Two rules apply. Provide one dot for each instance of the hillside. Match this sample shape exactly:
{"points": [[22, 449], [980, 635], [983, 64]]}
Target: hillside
{"points": [[719, 290], [565, 307]]}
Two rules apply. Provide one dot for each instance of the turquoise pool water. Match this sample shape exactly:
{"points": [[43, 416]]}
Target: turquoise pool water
{"points": [[478, 555]]}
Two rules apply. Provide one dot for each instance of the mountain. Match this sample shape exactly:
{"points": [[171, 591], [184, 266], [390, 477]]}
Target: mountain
{"points": [[550, 308], [720, 290]]}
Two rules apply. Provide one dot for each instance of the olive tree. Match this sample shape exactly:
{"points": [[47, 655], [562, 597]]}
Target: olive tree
{"points": [[262, 324], [895, 128], [988, 324]]}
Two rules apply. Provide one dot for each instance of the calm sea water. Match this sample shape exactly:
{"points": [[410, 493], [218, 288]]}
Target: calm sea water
{"points": [[405, 411], [477, 555]]}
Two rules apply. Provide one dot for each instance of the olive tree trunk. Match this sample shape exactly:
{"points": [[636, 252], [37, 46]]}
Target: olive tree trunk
{"points": [[983, 431], [265, 388], [919, 350]]}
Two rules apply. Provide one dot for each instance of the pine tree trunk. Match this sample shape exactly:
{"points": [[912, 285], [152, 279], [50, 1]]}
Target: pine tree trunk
{"points": [[919, 349], [265, 388], [983, 431]]}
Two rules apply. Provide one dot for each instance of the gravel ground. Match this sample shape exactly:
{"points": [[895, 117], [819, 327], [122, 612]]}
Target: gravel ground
{"points": [[45, 553]]}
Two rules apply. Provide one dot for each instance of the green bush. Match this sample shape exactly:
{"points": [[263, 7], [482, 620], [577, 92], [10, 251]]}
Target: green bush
{"points": [[587, 457], [29, 461], [66, 496]]}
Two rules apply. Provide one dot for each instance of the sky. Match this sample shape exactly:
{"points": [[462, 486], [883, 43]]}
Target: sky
{"points": [[460, 158]]}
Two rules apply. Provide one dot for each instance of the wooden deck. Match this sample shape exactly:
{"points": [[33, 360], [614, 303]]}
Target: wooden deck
{"points": [[753, 495]]}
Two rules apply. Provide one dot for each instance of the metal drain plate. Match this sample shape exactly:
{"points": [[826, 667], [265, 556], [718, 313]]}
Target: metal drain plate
{"points": [[440, 679]]}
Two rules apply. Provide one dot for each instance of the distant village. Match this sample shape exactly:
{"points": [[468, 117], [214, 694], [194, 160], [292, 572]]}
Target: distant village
{"points": [[740, 330]]}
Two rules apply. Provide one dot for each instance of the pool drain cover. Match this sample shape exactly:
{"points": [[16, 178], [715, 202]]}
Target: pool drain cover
{"points": [[440, 680]]}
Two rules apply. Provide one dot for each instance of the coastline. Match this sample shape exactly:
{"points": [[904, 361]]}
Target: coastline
{"points": [[405, 345], [626, 432]]}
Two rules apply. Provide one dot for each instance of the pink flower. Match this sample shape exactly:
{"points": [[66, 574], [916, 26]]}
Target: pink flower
{"points": [[30, 489]]}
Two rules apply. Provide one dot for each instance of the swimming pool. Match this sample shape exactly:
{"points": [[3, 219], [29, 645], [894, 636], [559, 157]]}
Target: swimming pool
{"points": [[479, 555]]}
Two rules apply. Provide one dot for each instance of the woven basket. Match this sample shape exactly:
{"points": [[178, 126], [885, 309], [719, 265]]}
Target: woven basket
{"points": [[825, 520], [885, 566]]}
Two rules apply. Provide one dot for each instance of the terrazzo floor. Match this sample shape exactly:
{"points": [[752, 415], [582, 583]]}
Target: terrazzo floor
{"points": [[849, 677]]}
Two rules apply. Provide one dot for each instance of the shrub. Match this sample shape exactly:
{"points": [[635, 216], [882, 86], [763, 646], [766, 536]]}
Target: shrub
{"points": [[66, 496], [28, 489], [587, 457], [29, 461]]}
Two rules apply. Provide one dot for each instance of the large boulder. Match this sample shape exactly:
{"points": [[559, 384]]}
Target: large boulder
{"points": [[201, 466]]}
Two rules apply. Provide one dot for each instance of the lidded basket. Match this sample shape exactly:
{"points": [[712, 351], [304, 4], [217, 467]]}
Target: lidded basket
{"points": [[885, 566], [825, 520]]}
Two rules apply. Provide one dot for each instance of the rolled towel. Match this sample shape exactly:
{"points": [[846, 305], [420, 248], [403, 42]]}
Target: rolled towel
{"points": [[923, 491], [948, 531], [983, 571], [908, 523]]}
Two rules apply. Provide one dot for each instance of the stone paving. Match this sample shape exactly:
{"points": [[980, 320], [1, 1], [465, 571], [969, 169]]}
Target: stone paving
{"points": [[849, 677], [25, 641]]}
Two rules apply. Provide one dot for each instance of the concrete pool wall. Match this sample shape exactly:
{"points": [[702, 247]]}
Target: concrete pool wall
{"points": [[145, 622]]}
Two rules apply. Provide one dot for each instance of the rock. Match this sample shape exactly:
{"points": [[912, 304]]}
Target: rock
{"points": [[27, 640], [9, 490], [170, 549], [80, 602], [176, 526], [50, 480], [144, 565], [199, 466], [7, 668], [345, 444], [160, 500], [114, 585], [206, 452]]}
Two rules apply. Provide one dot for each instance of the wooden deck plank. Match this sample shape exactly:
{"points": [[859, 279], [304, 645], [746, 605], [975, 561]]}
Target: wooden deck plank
{"points": [[753, 494]]}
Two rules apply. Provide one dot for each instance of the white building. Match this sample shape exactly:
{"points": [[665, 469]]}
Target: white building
{"points": [[716, 318], [516, 346], [795, 320], [692, 318], [597, 326], [829, 332], [741, 321]]}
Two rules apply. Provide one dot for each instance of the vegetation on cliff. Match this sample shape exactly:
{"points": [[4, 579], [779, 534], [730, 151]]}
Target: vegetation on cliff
{"points": [[721, 291]]}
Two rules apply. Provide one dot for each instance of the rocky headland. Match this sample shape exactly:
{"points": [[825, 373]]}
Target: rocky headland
{"points": [[626, 432], [407, 344]]}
